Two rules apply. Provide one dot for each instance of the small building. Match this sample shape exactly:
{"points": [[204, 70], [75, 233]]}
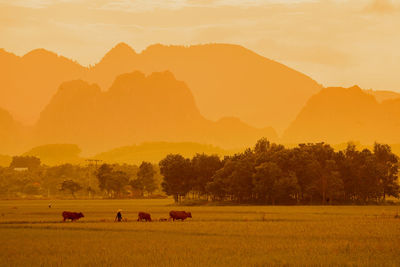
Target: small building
{"points": [[20, 169]]}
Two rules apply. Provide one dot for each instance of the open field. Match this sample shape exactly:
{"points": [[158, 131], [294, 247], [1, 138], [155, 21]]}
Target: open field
{"points": [[31, 234]]}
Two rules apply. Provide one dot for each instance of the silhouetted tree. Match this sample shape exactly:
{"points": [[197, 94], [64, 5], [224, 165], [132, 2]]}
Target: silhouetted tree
{"points": [[29, 162], [272, 174], [265, 180], [387, 165], [71, 186], [204, 168], [110, 181], [217, 188], [177, 172], [286, 189], [138, 185], [145, 178]]}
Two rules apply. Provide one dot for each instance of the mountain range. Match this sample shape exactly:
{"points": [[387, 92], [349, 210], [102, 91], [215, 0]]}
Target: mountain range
{"points": [[12, 133], [57, 154], [226, 80], [218, 94], [135, 109], [338, 115], [28, 82]]}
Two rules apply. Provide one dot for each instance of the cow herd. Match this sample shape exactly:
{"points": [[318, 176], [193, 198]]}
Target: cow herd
{"points": [[142, 216]]}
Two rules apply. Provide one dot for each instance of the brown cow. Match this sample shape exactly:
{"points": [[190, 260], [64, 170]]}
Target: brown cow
{"points": [[143, 216], [179, 215], [73, 216]]}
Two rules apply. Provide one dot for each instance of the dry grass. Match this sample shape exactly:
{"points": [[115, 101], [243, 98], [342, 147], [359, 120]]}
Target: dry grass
{"points": [[31, 234]]}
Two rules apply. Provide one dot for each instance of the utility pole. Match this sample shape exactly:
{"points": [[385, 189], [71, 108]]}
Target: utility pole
{"points": [[90, 162]]}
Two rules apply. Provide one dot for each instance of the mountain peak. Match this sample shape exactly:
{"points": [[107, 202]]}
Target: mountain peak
{"points": [[120, 50], [43, 56], [355, 88], [8, 57], [123, 46], [4, 52], [39, 52]]}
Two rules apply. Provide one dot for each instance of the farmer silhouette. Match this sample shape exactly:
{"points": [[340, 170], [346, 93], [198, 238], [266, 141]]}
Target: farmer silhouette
{"points": [[119, 216]]}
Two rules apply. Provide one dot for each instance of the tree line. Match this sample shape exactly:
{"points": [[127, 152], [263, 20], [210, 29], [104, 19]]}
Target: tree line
{"points": [[272, 174], [268, 173], [26, 176]]}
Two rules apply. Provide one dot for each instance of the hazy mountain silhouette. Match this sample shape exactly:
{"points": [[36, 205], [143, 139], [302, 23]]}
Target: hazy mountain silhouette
{"points": [[11, 133], [56, 154], [135, 109], [226, 80], [156, 151], [338, 115], [28, 82], [381, 96]]}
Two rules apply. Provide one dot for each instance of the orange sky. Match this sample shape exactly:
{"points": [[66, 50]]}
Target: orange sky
{"points": [[337, 42]]}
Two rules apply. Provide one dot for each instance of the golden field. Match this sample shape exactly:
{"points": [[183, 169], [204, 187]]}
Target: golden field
{"points": [[32, 234]]}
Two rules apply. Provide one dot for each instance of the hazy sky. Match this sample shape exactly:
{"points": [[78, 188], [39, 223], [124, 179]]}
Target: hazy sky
{"points": [[337, 42]]}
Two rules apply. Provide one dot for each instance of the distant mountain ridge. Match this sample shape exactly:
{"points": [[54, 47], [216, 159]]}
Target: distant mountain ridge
{"points": [[27, 83], [12, 133], [156, 151], [226, 80], [56, 154], [203, 93], [337, 115], [136, 109], [381, 96]]}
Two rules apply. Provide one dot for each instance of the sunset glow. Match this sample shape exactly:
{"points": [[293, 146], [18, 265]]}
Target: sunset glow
{"points": [[336, 42]]}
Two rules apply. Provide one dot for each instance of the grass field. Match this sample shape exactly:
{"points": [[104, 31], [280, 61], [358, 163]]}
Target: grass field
{"points": [[31, 234]]}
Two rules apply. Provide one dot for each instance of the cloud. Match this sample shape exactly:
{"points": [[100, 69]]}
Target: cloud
{"points": [[28, 3], [146, 5], [137, 6], [381, 7], [36, 4]]}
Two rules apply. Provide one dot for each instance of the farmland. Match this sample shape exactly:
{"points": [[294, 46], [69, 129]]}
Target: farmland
{"points": [[31, 233]]}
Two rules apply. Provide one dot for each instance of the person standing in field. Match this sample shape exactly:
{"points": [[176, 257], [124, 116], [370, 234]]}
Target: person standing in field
{"points": [[119, 216]]}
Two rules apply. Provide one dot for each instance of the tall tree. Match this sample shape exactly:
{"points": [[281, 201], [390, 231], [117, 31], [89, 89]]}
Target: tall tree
{"points": [[110, 181], [145, 177], [387, 164], [30, 162], [71, 186], [178, 174], [286, 189], [265, 179], [204, 168]]}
